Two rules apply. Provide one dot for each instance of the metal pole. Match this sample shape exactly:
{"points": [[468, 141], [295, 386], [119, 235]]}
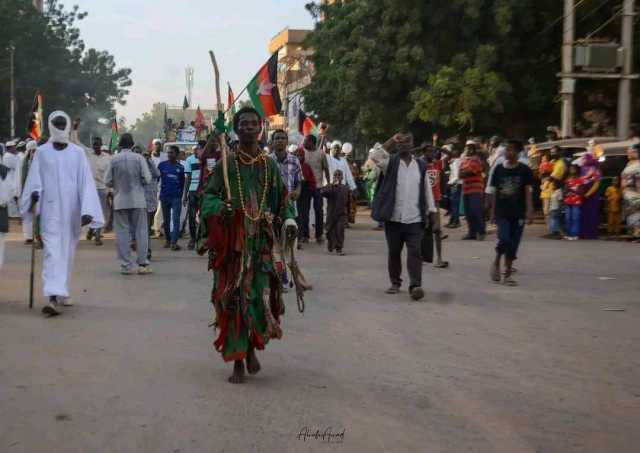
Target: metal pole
{"points": [[624, 90], [568, 84], [12, 92]]}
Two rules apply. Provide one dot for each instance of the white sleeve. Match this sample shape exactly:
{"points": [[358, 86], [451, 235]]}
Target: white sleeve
{"points": [[431, 204]]}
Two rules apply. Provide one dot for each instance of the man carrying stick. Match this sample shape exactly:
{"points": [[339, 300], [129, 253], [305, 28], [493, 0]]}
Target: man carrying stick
{"points": [[244, 197], [60, 176]]}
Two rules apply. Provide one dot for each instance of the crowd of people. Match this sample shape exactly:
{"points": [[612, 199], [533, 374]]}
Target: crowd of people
{"points": [[246, 207]]}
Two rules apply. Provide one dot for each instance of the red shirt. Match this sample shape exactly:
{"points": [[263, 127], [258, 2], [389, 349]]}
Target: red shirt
{"points": [[434, 172], [573, 191], [308, 177], [473, 182]]}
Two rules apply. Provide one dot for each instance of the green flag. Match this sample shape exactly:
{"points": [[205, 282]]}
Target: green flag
{"points": [[113, 143]]}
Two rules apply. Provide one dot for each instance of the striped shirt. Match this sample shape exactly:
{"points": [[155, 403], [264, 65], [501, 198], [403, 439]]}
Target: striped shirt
{"points": [[471, 175], [289, 170]]}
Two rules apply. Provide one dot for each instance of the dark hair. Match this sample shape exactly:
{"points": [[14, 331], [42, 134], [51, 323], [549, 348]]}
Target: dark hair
{"points": [[313, 138], [97, 139], [202, 143], [517, 144], [175, 149], [244, 111], [126, 141], [279, 131]]}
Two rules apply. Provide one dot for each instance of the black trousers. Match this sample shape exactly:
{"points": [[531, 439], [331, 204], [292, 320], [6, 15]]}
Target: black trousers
{"points": [[315, 199], [304, 205], [193, 203], [399, 234]]}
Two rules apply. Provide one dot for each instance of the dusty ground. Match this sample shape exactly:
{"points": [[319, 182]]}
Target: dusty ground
{"points": [[475, 368]]}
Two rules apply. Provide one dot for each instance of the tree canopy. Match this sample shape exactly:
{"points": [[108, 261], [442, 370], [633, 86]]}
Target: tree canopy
{"points": [[50, 57], [470, 65]]}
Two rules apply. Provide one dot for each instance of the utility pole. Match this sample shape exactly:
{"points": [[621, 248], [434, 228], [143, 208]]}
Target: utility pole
{"points": [[568, 83], [12, 91], [624, 90]]}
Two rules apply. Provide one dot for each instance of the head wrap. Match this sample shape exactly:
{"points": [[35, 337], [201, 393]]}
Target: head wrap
{"points": [[58, 135], [336, 144]]}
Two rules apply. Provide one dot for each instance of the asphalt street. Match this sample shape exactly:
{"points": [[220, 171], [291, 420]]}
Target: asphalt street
{"points": [[552, 365]]}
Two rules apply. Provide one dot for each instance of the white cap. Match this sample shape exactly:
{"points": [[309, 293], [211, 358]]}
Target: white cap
{"points": [[11, 143], [156, 140], [470, 142], [336, 144]]}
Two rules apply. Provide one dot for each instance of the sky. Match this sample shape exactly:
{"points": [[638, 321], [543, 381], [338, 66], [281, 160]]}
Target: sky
{"points": [[158, 39]]}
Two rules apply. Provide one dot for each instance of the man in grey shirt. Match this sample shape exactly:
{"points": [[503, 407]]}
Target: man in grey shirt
{"points": [[128, 174]]}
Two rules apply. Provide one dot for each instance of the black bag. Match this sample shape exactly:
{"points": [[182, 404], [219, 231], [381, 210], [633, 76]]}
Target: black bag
{"points": [[426, 247]]}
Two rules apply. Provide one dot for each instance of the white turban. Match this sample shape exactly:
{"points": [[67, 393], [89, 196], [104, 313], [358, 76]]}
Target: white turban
{"points": [[58, 135], [336, 144]]}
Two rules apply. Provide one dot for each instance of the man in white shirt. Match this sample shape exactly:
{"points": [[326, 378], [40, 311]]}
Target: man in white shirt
{"points": [[455, 190], [99, 162], [337, 161], [405, 204]]}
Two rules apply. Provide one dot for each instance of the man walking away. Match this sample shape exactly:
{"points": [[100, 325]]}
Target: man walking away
{"points": [[455, 190], [151, 196], [191, 197], [99, 162], [471, 170], [171, 187], [128, 174], [404, 202], [60, 175], [317, 160], [512, 183]]}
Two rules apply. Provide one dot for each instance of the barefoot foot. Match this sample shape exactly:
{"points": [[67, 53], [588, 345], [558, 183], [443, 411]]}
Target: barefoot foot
{"points": [[253, 366], [238, 373]]}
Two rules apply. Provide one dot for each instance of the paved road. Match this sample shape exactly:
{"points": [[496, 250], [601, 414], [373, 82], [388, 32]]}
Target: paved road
{"points": [[475, 368]]}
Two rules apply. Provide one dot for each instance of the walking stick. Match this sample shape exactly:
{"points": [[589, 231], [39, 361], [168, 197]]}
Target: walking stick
{"points": [[223, 140], [34, 224]]}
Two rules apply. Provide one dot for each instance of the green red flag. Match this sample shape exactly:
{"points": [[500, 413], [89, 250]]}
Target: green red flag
{"points": [[231, 107], [113, 143], [35, 121], [263, 89]]}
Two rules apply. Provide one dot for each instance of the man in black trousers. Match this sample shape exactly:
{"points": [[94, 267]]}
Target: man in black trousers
{"points": [[404, 202]]}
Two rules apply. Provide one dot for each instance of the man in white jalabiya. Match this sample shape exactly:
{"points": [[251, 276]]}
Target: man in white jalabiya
{"points": [[61, 178], [337, 162]]}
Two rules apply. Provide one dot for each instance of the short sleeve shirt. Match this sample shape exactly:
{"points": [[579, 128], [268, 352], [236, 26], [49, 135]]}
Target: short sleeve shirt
{"points": [[192, 167], [510, 193]]}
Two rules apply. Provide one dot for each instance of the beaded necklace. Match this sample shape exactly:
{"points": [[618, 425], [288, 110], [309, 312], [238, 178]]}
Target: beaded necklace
{"points": [[263, 158]]}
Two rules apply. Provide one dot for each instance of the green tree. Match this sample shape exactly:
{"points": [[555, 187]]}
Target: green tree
{"points": [[51, 57], [485, 65]]}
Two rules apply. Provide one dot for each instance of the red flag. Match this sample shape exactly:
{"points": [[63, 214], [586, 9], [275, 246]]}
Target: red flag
{"points": [[263, 89], [199, 122], [306, 126], [35, 121]]}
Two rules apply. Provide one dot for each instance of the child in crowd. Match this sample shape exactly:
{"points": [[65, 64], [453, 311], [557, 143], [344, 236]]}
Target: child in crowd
{"points": [[614, 198], [339, 198], [555, 210], [573, 199], [546, 191]]}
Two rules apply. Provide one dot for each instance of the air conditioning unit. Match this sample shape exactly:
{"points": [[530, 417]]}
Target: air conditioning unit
{"points": [[606, 57]]}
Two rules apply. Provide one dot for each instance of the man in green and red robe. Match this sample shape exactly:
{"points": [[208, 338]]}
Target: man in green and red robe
{"points": [[238, 231]]}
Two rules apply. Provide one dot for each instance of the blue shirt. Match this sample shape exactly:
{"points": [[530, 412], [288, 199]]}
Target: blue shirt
{"points": [[171, 180], [192, 166]]}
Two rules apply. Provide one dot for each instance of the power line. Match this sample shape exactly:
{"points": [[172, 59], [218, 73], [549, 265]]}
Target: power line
{"points": [[593, 11], [561, 18], [611, 19]]}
